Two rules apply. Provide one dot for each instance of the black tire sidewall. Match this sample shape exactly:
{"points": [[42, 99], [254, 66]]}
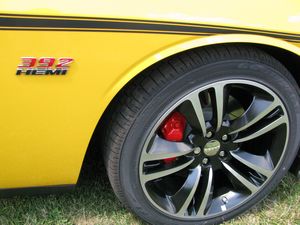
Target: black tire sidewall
{"points": [[279, 81]]}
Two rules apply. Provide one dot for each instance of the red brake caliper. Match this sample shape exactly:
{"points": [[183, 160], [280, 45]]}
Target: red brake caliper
{"points": [[173, 130]]}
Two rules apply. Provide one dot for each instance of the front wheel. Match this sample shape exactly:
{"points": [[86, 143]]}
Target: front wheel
{"points": [[203, 136]]}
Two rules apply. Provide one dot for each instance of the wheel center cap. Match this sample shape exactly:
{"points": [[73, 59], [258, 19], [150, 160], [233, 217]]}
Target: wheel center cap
{"points": [[212, 148]]}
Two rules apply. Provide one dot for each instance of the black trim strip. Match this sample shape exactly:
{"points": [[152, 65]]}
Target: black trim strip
{"points": [[10, 192], [294, 41], [22, 22], [147, 21], [105, 30]]}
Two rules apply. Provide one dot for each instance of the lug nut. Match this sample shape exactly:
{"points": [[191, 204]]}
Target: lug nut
{"points": [[222, 153], [209, 134], [225, 137], [197, 150], [205, 161]]}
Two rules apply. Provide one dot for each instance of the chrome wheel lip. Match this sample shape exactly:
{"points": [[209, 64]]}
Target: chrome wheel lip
{"points": [[185, 98]]}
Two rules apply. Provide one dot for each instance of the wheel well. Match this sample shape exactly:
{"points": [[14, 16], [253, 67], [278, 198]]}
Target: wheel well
{"points": [[290, 60], [93, 155]]}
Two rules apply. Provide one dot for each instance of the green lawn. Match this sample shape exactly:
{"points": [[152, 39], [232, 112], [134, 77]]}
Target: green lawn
{"points": [[93, 202]]}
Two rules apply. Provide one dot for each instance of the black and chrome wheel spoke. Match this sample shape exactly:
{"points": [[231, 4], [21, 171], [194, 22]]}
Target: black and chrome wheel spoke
{"points": [[207, 194], [239, 177], [195, 101], [185, 194], [258, 109], [163, 149], [260, 164], [165, 171], [219, 102], [262, 130]]}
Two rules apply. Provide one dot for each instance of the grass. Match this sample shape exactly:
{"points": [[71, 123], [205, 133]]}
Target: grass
{"points": [[93, 202]]}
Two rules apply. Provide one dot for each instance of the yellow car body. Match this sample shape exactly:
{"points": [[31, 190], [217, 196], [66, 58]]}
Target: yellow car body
{"points": [[47, 121]]}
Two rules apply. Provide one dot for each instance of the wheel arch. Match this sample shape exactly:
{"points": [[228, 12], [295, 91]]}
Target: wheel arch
{"points": [[276, 47], [288, 54]]}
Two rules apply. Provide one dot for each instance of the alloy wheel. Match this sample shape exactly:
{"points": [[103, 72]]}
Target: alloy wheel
{"points": [[214, 149]]}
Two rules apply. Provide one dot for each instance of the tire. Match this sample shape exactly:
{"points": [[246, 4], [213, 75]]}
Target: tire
{"points": [[144, 109]]}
